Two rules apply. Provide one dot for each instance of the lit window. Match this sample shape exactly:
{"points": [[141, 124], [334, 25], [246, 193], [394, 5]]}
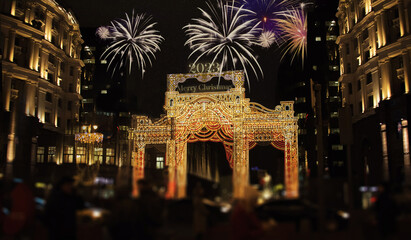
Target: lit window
{"points": [[80, 155], [318, 39], [159, 162], [68, 154], [109, 155], [337, 147], [98, 155], [103, 91], [40, 155], [103, 61], [52, 154]]}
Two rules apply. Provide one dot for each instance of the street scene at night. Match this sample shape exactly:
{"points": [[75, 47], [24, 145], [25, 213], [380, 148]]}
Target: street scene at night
{"points": [[205, 119]]}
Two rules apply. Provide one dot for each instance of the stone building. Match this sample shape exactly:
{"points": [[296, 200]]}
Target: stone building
{"points": [[375, 45], [40, 44]]}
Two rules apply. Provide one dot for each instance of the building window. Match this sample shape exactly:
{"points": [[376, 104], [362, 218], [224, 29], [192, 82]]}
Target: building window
{"points": [[370, 101], [109, 155], [348, 68], [318, 39], [359, 85], [350, 88], [80, 155], [40, 155], [69, 103], [159, 162], [360, 107], [369, 78], [62, 67], [71, 71], [68, 154], [47, 117], [58, 122], [347, 48], [52, 154], [98, 155], [49, 97], [59, 102]]}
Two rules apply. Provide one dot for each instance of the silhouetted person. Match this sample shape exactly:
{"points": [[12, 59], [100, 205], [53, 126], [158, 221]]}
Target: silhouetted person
{"points": [[18, 223], [200, 212], [60, 211], [123, 222], [150, 210], [387, 211], [244, 221]]}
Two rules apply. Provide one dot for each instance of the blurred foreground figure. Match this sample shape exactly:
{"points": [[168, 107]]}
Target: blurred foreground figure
{"points": [[244, 222], [387, 210], [200, 212], [150, 210], [60, 212], [17, 224]]}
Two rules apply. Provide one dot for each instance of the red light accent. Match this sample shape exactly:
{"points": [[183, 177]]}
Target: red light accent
{"points": [[373, 199], [265, 19]]}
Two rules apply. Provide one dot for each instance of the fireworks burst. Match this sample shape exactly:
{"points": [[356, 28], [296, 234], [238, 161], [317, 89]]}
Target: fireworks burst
{"points": [[226, 36], [267, 12], [294, 27], [266, 39], [132, 39], [103, 32]]}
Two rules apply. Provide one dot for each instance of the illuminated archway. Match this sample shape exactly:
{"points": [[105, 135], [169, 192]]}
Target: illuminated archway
{"points": [[224, 116]]}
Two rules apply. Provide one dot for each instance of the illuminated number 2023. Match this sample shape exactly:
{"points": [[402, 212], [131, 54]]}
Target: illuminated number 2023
{"points": [[204, 67]]}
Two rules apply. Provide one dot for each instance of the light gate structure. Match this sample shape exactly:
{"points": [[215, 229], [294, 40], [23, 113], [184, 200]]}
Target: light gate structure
{"points": [[222, 116]]}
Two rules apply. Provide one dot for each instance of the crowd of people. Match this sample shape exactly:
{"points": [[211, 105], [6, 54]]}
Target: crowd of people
{"points": [[144, 217]]}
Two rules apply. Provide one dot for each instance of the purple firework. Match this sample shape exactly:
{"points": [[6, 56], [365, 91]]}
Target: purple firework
{"points": [[267, 13]]}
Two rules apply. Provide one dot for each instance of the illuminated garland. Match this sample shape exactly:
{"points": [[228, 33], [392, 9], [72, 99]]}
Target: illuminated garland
{"points": [[89, 137]]}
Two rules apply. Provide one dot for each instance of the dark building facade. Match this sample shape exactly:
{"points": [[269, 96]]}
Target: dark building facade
{"points": [[40, 44], [374, 45]]}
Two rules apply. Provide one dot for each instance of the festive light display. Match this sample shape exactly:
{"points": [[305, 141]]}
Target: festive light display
{"points": [[227, 117], [224, 35], [131, 39], [89, 137]]}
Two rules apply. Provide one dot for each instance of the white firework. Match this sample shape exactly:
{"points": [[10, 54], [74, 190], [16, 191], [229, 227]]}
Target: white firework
{"points": [[266, 39], [225, 35], [133, 39], [103, 32]]}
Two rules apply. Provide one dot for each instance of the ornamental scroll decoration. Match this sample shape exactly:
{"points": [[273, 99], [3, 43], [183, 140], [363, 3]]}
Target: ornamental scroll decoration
{"points": [[227, 117]]}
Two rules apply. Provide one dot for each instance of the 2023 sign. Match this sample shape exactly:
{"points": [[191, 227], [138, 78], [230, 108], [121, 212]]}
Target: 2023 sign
{"points": [[203, 67]]}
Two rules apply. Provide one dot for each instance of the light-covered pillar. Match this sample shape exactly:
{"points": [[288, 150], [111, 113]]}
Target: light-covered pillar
{"points": [[6, 91], [138, 165], [181, 169], [171, 163], [291, 165], [240, 159], [12, 41], [407, 70]]}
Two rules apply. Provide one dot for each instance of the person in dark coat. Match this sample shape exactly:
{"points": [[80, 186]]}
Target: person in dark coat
{"points": [[60, 211], [386, 210]]}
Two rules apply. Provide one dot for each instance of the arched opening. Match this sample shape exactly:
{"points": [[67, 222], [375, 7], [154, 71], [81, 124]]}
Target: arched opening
{"points": [[207, 164]]}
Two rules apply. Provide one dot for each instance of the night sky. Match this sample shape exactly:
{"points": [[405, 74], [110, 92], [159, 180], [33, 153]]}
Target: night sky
{"points": [[171, 17]]}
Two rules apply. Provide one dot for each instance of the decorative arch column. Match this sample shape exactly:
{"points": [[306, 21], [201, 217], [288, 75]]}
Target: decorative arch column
{"points": [[241, 161], [138, 165]]}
